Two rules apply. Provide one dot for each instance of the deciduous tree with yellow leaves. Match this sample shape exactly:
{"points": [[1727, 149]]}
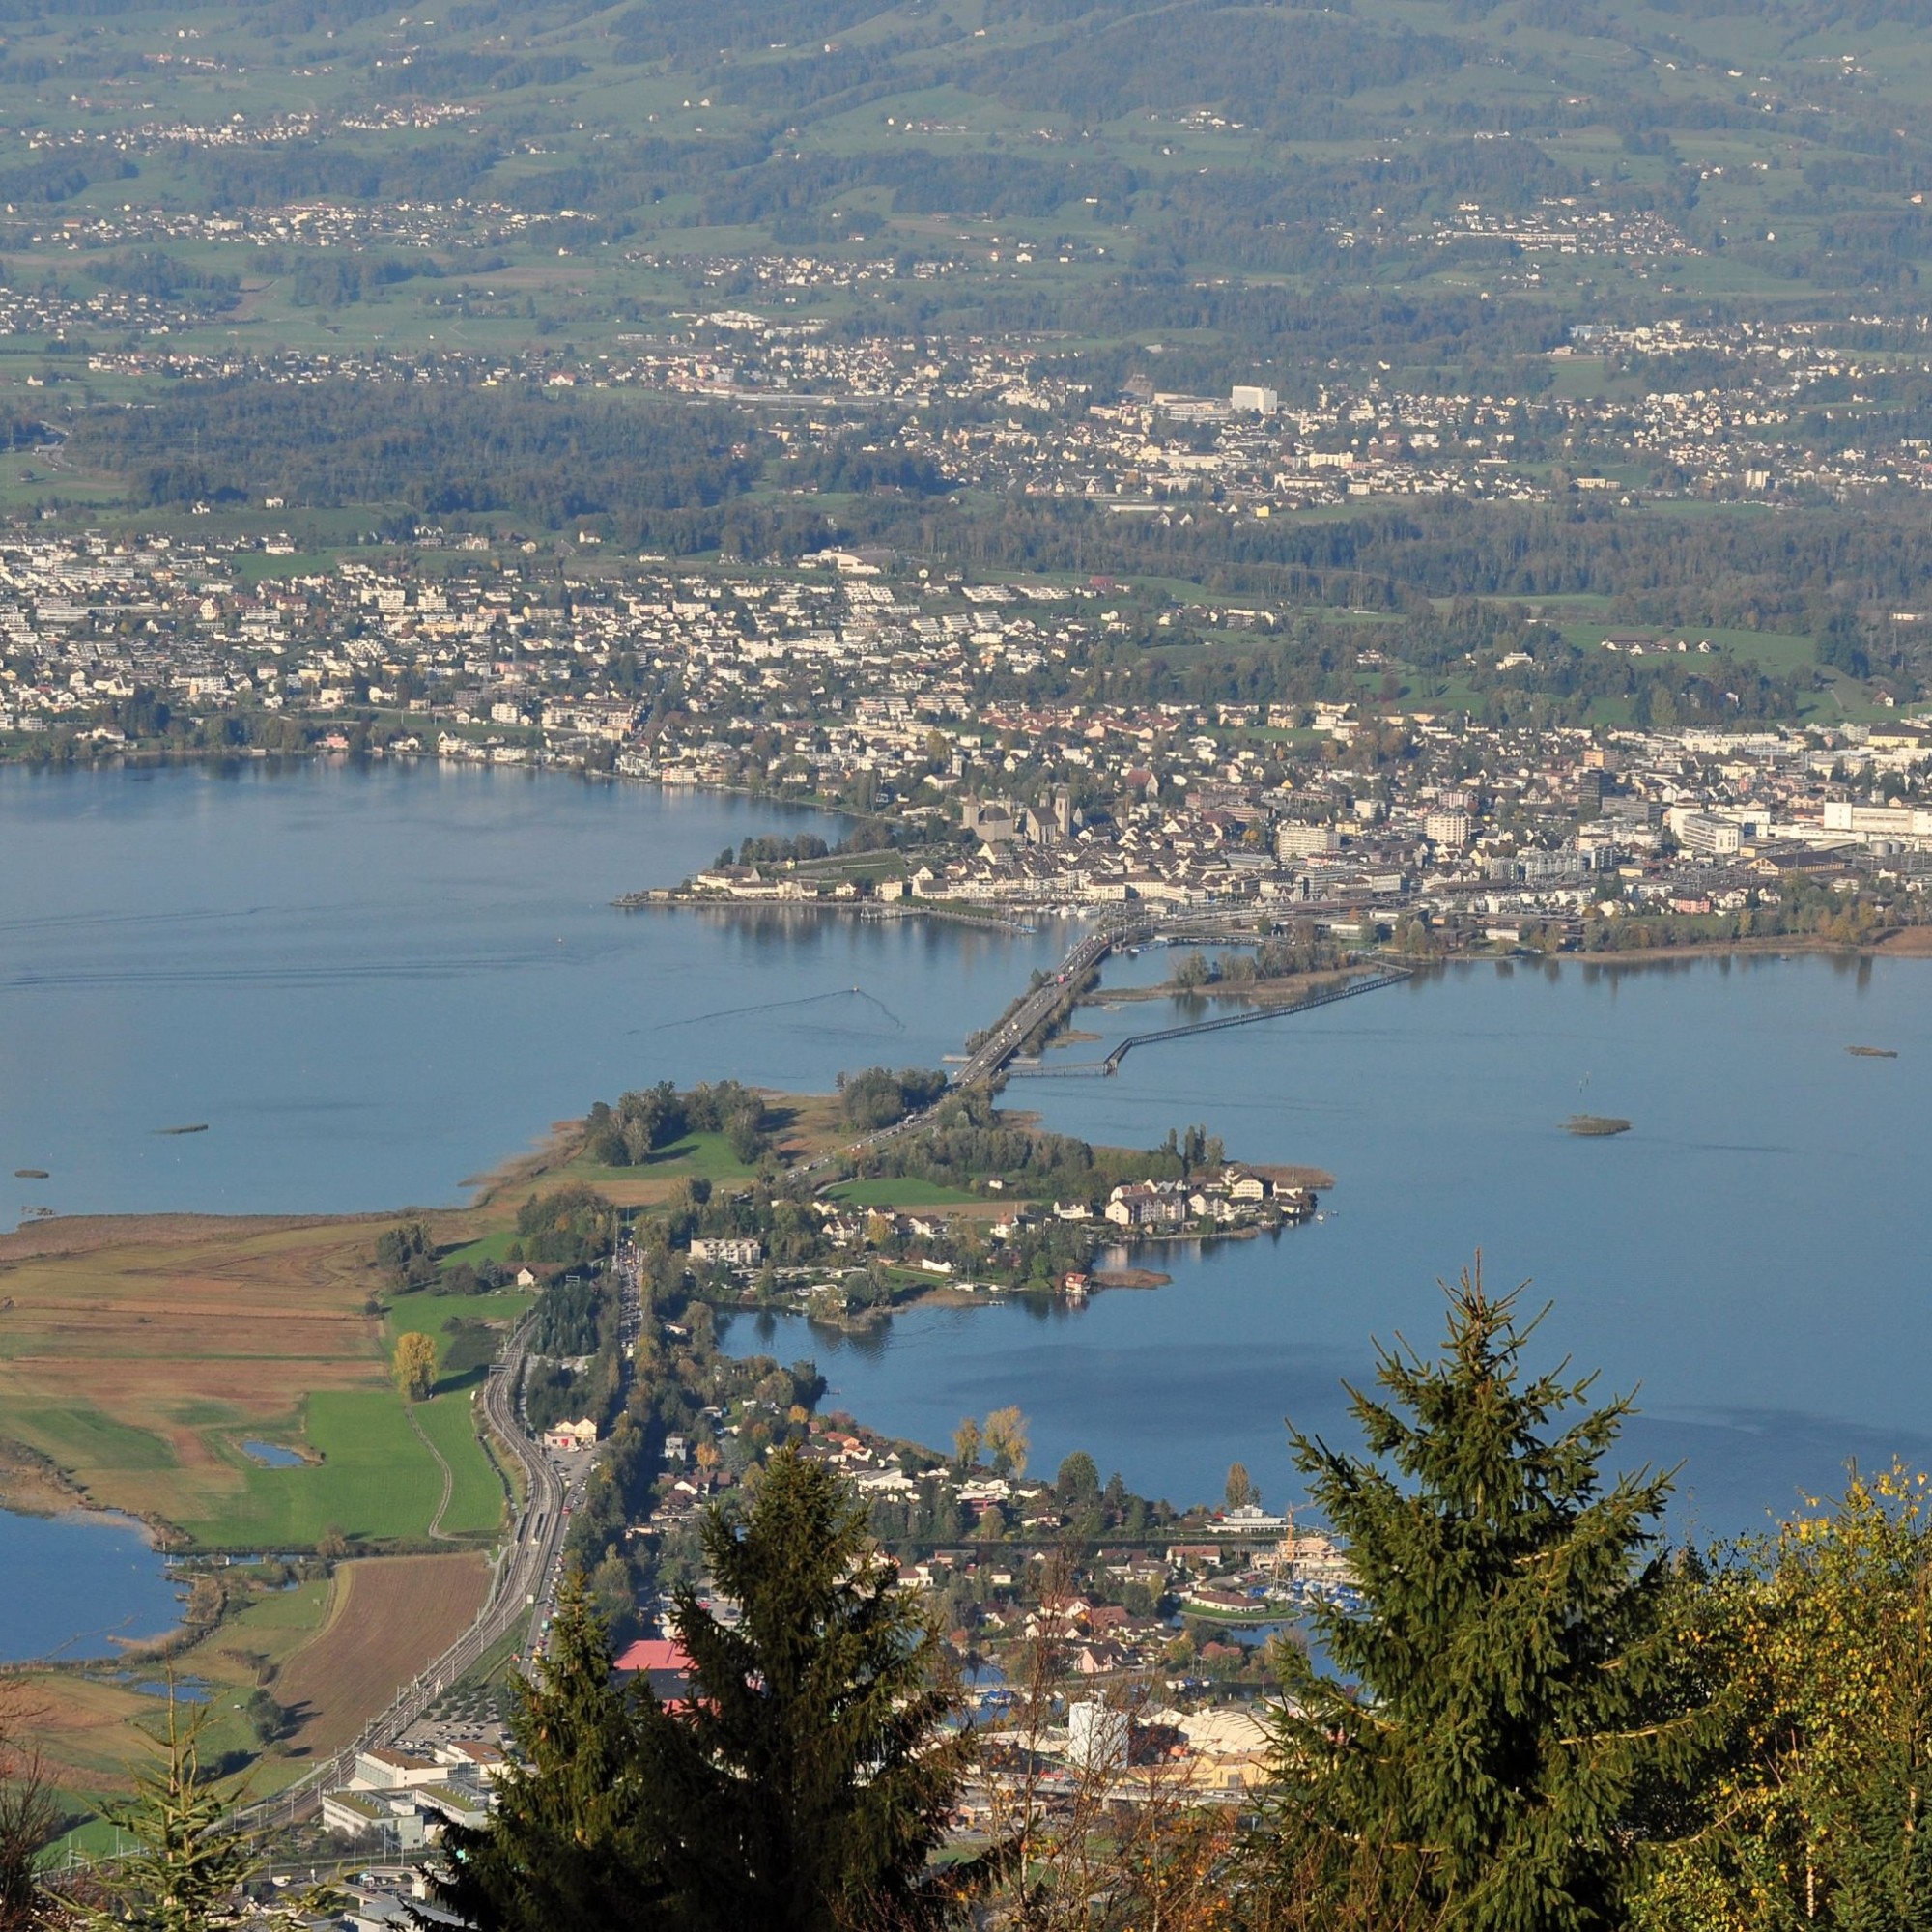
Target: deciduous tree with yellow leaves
{"points": [[1819, 1811], [416, 1366]]}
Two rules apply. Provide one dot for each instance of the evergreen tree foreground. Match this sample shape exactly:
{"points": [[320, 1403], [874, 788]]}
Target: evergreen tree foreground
{"points": [[803, 1788], [1509, 1708]]}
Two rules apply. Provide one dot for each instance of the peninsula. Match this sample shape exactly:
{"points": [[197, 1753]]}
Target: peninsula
{"points": [[331, 1533]]}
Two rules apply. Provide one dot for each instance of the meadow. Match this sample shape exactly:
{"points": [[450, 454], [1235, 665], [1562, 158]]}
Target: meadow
{"points": [[139, 1356]]}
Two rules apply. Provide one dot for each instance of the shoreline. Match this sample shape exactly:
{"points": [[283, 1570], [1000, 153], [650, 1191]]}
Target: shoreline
{"points": [[39, 1237], [1900, 942]]}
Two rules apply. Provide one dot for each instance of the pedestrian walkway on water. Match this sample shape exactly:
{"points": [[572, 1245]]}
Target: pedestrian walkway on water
{"points": [[1102, 1069]]}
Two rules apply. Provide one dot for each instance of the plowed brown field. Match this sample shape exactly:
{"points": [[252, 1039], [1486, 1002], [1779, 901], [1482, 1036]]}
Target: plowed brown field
{"points": [[391, 1615]]}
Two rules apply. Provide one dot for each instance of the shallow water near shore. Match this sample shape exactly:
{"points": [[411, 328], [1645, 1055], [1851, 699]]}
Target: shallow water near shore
{"points": [[80, 1585]]}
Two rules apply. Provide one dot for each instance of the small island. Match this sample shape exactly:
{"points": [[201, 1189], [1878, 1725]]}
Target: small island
{"points": [[1873, 1052], [1595, 1125]]}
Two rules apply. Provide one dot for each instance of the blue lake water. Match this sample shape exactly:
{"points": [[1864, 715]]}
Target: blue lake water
{"points": [[371, 984], [1750, 1257], [272, 1454], [79, 1583], [183, 1689]]}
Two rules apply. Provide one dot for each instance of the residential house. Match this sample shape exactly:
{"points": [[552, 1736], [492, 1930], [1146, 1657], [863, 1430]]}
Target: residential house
{"points": [[1147, 1204]]}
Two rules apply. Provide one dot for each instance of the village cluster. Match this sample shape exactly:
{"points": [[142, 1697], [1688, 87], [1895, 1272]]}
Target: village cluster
{"points": [[1150, 452], [871, 1258], [1159, 1638]]}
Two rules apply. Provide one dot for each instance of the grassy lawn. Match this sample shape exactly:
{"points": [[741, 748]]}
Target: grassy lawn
{"points": [[267, 1632], [696, 1157], [375, 1480], [707, 1155], [1779, 653], [903, 1193], [461, 1348], [476, 1501], [493, 1247]]}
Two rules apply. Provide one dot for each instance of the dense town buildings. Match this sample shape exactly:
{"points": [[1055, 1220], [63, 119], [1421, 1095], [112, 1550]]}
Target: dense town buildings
{"points": [[970, 722]]}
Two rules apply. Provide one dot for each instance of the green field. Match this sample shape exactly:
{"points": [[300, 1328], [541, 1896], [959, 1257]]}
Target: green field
{"points": [[460, 1351], [476, 1498], [903, 1192], [375, 1480], [493, 1247]]}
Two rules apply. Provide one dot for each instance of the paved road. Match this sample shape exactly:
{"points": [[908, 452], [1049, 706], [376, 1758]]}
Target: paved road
{"points": [[992, 1055], [1004, 1040]]}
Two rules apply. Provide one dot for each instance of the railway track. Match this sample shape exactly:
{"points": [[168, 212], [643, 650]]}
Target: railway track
{"points": [[517, 1590]]}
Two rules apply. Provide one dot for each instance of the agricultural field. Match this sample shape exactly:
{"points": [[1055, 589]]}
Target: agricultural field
{"points": [[88, 1723], [220, 1332], [388, 1617], [217, 1333], [328, 1652]]}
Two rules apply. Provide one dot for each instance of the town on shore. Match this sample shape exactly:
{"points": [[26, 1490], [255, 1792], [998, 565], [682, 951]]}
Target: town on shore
{"points": [[991, 740]]}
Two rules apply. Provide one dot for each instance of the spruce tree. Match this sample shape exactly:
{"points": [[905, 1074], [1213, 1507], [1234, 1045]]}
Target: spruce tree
{"points": [[187, 1863], [808, 1780], [185, 1871], [1506, 1694], [570, 1843]]}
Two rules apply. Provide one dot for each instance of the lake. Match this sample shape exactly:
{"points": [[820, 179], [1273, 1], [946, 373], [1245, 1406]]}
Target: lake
{"points": [[370, 983], [1750, 1257], [90, 1579]]}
